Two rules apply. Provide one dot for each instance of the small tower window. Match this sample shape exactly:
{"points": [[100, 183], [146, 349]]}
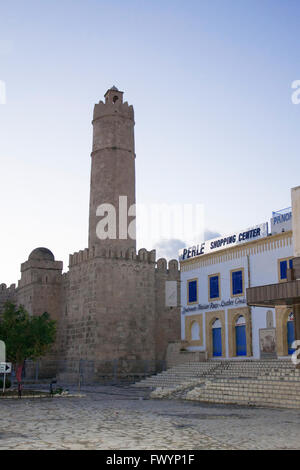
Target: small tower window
{"points": [[115, 98]]}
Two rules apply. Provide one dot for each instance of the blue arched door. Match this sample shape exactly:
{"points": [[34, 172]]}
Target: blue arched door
{"points": [[217, 338], [240, 337], [290, 333]]}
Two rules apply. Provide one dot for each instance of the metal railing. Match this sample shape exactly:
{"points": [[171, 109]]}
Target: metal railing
{"points": [[86, 372]]}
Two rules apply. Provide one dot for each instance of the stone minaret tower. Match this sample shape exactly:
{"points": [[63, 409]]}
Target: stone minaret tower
{"points": [[112, 172]]}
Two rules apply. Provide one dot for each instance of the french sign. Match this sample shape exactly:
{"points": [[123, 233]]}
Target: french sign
{"points": [[214, 305], [5, 367], [216, 244]]}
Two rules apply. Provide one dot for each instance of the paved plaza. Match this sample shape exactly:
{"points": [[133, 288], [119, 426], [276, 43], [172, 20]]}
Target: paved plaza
{"points": [[123, 418]]}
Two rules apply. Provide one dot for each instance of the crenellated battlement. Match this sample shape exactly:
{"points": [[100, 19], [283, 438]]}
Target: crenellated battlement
{"points": [[113, 109], [7, 294], [4, 288], [143, 255], [167, 267], [83, 256], [113, 106], [80, 257]]}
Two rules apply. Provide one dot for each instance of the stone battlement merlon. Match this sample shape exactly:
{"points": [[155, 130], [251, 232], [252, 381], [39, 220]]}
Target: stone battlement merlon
{"points": [[4, 288], [166, 267]]}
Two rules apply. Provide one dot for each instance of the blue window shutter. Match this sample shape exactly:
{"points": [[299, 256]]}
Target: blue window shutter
{"points": [[192, 291], [237, 282], [283, 269], [291, 264], [214, 287]]}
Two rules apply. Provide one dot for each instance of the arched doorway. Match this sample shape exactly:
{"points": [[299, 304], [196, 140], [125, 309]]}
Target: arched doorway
{"points": [[290, 332], [240, 336], [217, 337]]}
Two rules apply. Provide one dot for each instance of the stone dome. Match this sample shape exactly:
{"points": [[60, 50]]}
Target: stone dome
{"points": [[42, 254]]}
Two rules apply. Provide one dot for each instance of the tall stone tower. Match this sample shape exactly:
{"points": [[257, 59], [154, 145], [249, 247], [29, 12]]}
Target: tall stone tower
{"points": [[112, 173], [110, 305]]}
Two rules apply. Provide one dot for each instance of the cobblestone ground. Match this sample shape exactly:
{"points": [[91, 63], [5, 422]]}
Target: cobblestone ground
{"points": [[119, 418]]}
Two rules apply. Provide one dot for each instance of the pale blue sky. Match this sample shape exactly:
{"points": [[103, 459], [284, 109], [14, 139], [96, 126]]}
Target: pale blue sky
{"points": [[210, 81]]}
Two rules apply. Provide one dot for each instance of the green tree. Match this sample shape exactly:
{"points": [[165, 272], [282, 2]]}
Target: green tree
{"points": [[25, 336]]}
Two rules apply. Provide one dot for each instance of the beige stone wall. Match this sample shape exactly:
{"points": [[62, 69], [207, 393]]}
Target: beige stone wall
{"points": [[114, 309], [109, 312], [167, 319]]}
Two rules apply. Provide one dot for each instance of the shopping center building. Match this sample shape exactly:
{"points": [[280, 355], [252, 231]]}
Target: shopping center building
{"points": [[215, 317]]}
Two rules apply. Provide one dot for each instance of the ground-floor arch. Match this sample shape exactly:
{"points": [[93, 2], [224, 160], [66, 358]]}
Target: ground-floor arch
{"points": [[215, 334], [285, 330], [240, 336], [239, 332]]}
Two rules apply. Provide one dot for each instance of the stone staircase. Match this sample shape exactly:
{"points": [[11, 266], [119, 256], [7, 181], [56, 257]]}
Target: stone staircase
{"points": [[179, 375], [268, 383]]}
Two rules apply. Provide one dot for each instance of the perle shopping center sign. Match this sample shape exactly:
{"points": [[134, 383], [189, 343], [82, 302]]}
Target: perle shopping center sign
{"points": [[215, 305], [210, 246]]}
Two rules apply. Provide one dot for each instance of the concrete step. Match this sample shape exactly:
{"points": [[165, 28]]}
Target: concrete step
{"points": [[231, 379], [265, 393]]}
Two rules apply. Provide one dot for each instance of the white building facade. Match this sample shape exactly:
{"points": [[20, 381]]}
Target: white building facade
{"points": [[215, 318]]}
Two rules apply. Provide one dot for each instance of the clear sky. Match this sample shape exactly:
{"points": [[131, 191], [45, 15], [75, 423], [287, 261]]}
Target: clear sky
{"points": [[210, 81]]}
